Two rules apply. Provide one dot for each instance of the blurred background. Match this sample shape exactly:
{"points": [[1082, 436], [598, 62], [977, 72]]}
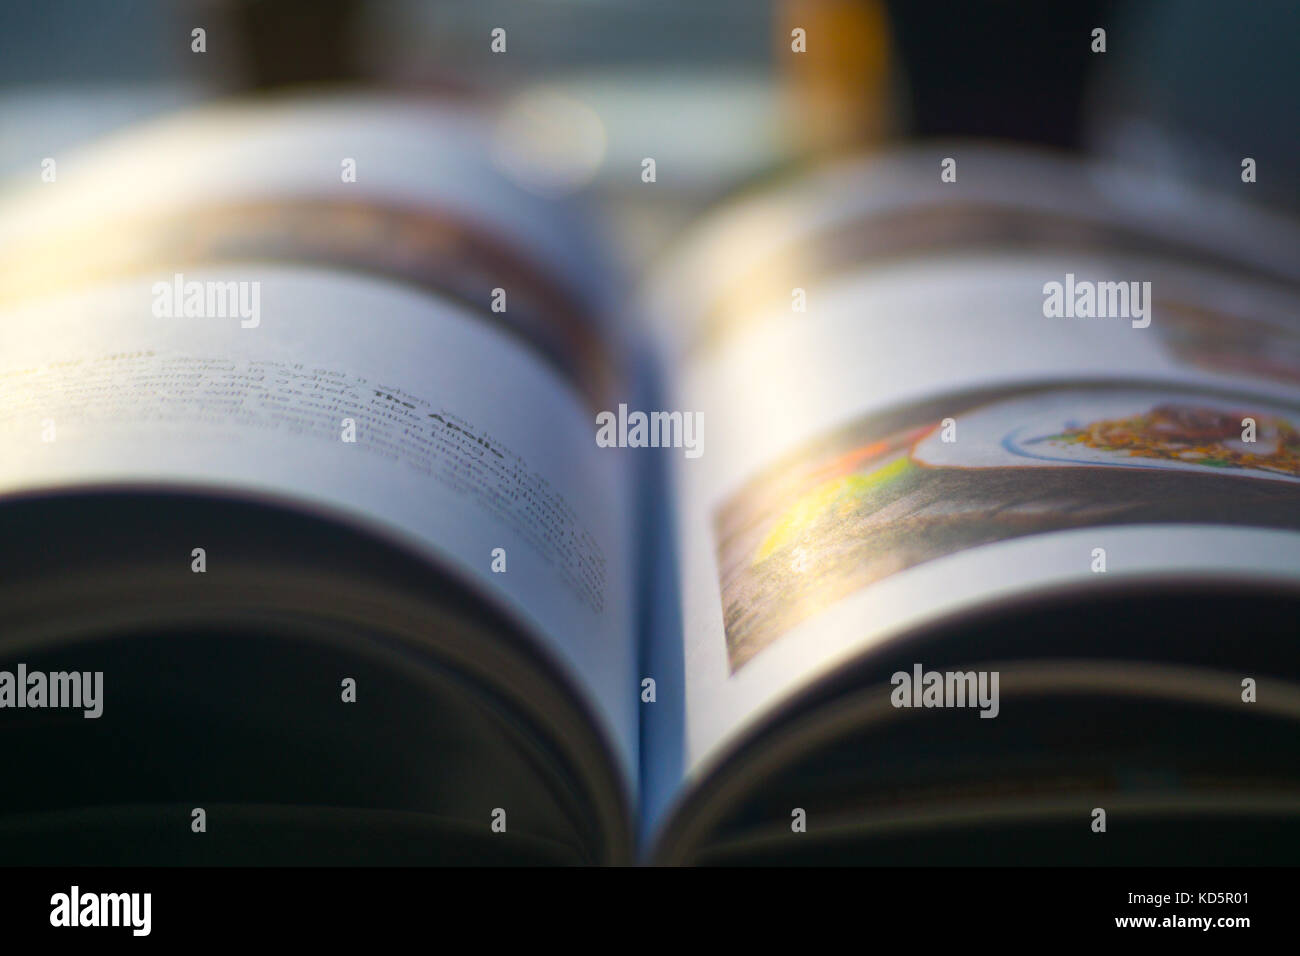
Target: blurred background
{"points": [[710, 89]]}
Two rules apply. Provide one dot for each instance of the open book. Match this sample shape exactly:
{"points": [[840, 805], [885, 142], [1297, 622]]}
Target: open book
{"points": [[354, 509]]}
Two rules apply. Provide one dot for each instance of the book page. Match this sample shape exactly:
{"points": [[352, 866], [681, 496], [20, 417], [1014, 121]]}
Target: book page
{"points": [[931, 433], [310, 344]]}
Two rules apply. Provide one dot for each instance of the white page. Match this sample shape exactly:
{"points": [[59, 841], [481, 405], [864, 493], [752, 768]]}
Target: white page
{"points": [[202, 402], [224, 402]]}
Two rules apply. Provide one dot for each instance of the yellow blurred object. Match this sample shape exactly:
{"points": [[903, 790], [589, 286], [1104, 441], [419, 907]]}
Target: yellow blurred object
{"points": [[843, 493], [837, 89]]}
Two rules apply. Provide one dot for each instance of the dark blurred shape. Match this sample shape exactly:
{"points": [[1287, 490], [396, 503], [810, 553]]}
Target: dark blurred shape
{"points": [[1011, 70], [1193, 86], [299, 41]]}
